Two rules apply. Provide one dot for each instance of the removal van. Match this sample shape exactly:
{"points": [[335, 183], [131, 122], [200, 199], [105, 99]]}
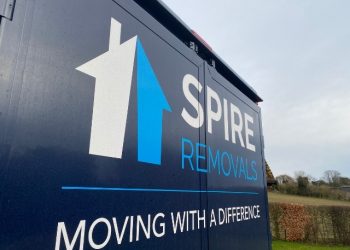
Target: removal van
{"points": [[120, 128]]}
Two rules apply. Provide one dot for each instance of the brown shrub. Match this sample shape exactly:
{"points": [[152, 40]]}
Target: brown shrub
{"points": [[293, 220]]}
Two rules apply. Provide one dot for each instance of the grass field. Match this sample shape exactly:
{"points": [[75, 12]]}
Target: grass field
{"points": [[282, 245], [285, 198]]}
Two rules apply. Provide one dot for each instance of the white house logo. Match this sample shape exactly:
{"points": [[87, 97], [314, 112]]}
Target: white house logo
{"points": [[113, 71]]}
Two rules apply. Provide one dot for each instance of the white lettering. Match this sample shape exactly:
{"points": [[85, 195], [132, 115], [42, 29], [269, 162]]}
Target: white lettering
{"points": [[212, 218], [236, 126], [226, 120], [215, 110], [211, 114], [162, 226], [91, 230], [118, 235], [146, 231], [195, 122], [61, 230], [248, 132], [179, 222]]}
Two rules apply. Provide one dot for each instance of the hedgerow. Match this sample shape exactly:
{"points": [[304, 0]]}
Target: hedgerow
{"points": [[315, 224]]}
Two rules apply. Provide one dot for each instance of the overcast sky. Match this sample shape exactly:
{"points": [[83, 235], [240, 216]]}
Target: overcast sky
{"points": [[296, 55]]}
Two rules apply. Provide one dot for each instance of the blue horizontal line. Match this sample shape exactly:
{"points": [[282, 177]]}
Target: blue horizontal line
{"points": [[155, 190]]}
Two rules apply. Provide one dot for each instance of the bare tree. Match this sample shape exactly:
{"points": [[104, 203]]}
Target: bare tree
{"points": [[332, 177], [300, 173]]}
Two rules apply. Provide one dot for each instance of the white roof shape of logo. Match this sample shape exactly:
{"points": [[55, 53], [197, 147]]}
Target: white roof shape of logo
{"points": [[113, 72]]}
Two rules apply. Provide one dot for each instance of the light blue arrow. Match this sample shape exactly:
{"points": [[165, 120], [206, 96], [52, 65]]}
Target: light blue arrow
{"points": [[150, 106]]}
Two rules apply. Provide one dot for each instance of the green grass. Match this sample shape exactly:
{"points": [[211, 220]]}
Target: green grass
{"points": [[283, 245], [286, 198]]}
